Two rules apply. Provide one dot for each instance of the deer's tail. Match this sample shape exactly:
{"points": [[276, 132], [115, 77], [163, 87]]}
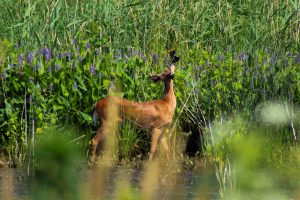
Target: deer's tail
{"points": [[94, 113]]}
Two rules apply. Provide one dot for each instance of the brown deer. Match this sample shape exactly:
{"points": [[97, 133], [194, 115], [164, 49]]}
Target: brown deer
{"points": [[154, 115]]}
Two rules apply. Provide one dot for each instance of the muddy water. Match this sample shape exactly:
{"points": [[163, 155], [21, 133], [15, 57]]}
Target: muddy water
{"points": [[14, 184]]}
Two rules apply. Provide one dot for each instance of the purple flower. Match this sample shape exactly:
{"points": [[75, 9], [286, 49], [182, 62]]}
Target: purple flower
{"points": [[287, 63], [47, 54], [290, 96], [20, 60], [256, 74], [17, 45], [219, 57], [208, 63], [72, 66], [92, 69], [117, 55], [11, 65], [130, 53], [125, 58], [29, 58], [57, 67], [234, 56], [247, 69], [274, 59], [97, 52], [133, 73], [193, 42], [155, 59], [196, 77], [34, 69], [75, 41], [87, 46], [75, 86], [51, 87], [4, 74], [30, 79], [50, 69], [290, 54], [297, 59], [99, 75], [59, 56], [68, 56], [264, 79], [81, 59], [262, 62]]}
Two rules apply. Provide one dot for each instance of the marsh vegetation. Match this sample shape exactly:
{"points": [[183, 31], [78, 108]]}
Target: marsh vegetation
{"points": [[236, 125]]}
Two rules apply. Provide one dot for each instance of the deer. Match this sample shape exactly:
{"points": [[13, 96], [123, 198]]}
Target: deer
{"points": [[154, 116]]}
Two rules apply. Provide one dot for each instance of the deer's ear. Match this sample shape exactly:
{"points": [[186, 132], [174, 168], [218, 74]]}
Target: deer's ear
{"points": [[175, 59], [155, 78]]}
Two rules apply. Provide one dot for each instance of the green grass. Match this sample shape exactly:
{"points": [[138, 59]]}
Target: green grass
{"points": [[151, 25], [236, 56]]}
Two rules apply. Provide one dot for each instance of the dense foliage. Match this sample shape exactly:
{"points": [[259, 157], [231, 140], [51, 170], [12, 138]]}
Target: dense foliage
{"points": [[42, 88]]}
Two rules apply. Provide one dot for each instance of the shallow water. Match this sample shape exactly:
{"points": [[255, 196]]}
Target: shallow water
{"points": [[14, 183]]}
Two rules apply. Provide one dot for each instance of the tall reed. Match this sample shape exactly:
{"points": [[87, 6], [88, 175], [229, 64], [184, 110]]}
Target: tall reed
{"points": [[214, 25]]}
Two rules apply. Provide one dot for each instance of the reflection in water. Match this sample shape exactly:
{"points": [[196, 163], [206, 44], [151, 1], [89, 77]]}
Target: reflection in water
{"points": [[14, 184]]}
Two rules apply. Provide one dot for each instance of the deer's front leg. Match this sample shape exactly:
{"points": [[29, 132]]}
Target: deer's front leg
{"points": [[155, 134], [97, 141]]}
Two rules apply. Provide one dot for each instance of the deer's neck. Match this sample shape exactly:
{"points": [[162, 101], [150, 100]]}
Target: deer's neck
{"points": [[169, 95]]}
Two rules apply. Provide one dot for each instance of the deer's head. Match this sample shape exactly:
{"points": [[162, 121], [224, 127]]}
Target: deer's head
{"points": [[170, 71]]}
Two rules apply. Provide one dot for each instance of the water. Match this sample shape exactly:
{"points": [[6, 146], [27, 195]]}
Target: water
{"points": [[15, 184]]}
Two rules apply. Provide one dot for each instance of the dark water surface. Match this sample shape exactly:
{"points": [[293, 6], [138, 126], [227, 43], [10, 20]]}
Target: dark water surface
{"points": [[15, 184]]}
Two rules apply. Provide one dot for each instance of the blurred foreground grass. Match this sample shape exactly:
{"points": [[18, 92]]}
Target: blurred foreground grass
{"points": [[244, 160]]}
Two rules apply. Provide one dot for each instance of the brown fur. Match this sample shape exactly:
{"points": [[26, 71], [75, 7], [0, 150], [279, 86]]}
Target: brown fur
{"points": [[154, 115]]}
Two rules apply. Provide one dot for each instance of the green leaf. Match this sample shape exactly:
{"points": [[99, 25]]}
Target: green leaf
{"points": [[86, 117], [64, 90]]}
